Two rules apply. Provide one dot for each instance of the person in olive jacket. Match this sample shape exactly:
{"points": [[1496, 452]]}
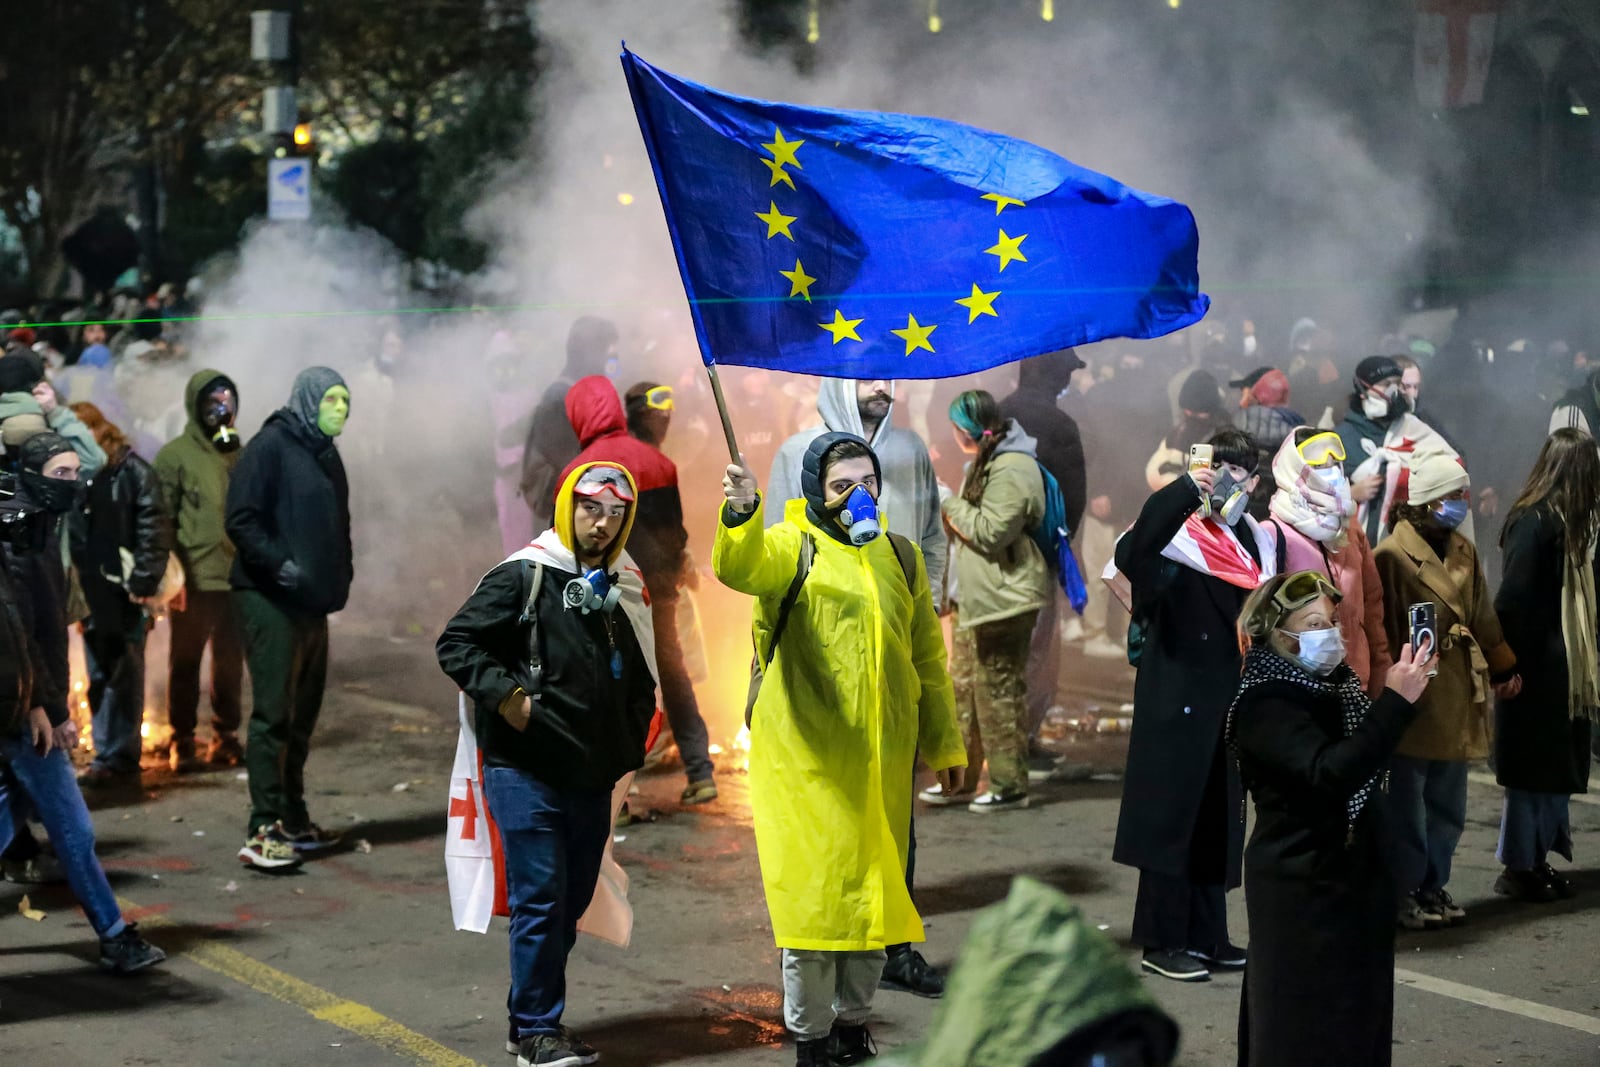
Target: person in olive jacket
{"points": [[289, 518], [194, 469]]}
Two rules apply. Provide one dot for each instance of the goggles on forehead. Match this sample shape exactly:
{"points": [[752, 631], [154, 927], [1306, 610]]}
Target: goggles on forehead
{"points": [[1319, 449], [1302, 589], [602, 480], [659, 398]]}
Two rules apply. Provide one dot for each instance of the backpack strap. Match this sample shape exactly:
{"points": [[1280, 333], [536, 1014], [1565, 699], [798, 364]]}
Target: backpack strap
{"points": [[905, 553], [530, 618], [808, 552]]}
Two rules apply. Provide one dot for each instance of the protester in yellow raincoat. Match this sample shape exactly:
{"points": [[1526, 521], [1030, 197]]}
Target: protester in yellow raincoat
{"points": [[858, 684]]}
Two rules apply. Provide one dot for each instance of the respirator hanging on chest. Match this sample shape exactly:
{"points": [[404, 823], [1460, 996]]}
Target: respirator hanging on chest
{"points": [[593, 591]]}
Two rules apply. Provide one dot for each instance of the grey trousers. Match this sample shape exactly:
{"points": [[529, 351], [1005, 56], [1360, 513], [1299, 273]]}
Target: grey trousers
{"points": [[821, 988]]}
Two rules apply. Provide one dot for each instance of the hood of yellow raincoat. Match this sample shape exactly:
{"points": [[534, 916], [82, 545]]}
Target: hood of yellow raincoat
{"points": [[565, 508]]}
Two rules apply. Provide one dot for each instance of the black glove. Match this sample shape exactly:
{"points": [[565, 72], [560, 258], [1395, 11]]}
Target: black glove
{"points": [[289, 575]]}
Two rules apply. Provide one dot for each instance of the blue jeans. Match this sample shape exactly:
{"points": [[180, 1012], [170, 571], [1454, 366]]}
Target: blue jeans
{"points": [[1428, 799], [553, 840], [116, 693], [49, 782]]}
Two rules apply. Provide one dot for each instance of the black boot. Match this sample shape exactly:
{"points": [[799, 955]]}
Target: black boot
{"points": [[851, 1044], [813, 1053], [908, 972]]}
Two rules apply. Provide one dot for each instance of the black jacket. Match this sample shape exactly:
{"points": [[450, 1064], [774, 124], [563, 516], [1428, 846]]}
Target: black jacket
{"points": [[1060, 444], [289, 500], [1175, 818], [123, 511], [38, 581], [588, 729], [1537, 745], [1320, 896], [18, 654]]}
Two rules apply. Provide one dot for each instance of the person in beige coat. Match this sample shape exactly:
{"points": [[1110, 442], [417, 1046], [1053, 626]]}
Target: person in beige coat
{"points": [[1001, 583], [1426, 560]]}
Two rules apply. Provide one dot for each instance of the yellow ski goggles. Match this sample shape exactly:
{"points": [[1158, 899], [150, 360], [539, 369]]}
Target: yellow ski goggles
{"points": [[659, 398], [1318, 450]]}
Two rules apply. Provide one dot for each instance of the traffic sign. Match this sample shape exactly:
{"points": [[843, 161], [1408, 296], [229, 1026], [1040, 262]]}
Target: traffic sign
{"points": [[289, 189]]}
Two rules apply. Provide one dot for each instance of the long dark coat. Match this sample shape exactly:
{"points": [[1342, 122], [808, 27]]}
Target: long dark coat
{"points": [[1319, 989], [1171, 822], [1537, 745]]}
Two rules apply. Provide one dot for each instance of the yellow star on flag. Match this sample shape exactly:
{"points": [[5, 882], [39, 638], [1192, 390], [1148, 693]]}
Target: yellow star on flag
{"points": [[799, 281], [842, 327], [778, 174], [1007, 248], [777, 222], [783, 152], [915, 335], [979, 303], [1001, 201]]}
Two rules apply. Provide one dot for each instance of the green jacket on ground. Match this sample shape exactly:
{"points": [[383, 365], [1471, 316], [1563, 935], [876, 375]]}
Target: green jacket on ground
{"points": [[999, 571], [194, 489], [1037, 985]]}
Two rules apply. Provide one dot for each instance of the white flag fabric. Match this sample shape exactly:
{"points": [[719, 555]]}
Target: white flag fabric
{"points": [[1454, 46]]}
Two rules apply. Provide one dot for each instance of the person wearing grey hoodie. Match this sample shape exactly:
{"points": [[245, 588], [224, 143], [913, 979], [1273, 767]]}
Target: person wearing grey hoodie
{"points": [[910, 493]]}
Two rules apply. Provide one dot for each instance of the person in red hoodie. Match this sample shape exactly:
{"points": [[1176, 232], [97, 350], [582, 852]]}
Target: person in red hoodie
{"points": [[657, 544]]}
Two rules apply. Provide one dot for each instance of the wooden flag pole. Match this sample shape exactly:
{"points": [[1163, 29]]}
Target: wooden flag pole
{"points": [[722, 409]]}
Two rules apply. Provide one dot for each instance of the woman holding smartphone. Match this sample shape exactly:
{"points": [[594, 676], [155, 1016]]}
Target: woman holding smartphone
{"points": [[1425, 560], [1312, 748]]}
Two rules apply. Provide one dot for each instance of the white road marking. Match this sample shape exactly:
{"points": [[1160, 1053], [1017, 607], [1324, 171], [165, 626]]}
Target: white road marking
{"points": [[1587, 1024], [1488, 779]]}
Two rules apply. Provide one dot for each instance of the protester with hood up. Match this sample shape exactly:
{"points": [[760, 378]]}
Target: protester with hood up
{"points": [[120, 543], [1201, 415], [36, 731], [1381, 436], [855, 686], [658, 544], [1312, 510], [194, 469], [557, 729], [1579, 407], [551, 445], [289, 518], [1042, 382], [1182, 818], [1001, 584], [1426, 559], [909, 495], [24, 391]]}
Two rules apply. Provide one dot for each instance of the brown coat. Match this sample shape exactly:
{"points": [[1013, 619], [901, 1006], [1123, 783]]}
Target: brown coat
{"points": [[1452, 720]]}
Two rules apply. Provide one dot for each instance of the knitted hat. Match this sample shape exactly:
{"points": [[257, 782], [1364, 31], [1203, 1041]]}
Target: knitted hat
{"points": [[18, 428], [1435, 475], [1375, 369], [20, 372]]}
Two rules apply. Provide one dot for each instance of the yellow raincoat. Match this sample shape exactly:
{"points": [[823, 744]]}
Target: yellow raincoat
{"points": [[859, 684]]}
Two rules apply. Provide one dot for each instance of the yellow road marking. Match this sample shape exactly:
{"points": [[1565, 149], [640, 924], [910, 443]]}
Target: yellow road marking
{"points": [[358, 1019]]}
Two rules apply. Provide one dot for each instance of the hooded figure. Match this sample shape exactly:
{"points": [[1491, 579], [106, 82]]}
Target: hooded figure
{"points": [[194, 469], [1200, 415], [559, 738], [857, 684], [1041, 381], [908, 489], [658, 543], [289, 517], [551, 444], [1579, 407]]}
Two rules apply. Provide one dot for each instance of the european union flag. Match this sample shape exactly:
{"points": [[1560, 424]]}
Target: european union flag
{"points": [[861, 244]]}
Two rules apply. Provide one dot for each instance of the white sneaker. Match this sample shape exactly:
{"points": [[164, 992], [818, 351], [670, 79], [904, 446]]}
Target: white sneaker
{"points": [[1101, 648], [993, 803], [940, 799]]}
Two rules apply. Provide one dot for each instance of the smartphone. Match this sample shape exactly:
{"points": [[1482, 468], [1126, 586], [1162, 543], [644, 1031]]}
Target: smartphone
{"points": [[1424, 627], [1200, 457]]}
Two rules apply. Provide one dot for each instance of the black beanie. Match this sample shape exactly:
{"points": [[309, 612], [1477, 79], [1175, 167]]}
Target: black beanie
{"points": [[1199, 393], [20, 372]]}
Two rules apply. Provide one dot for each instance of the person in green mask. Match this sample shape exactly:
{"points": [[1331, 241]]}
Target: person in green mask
{"points": [[289, 518]]}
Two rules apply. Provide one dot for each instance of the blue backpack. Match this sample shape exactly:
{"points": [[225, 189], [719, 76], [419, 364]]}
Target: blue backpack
{"points": [[1055, 541]]}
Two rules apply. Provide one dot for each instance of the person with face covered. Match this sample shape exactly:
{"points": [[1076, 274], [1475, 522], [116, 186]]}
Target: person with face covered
{"points": [[194, 469], [289, 518], [1192, 557], [1426, 559], [1312, 510], [855, 685], [551, 444], [1311, 749], [1201, 415], [1001, 585], [556, 651]]}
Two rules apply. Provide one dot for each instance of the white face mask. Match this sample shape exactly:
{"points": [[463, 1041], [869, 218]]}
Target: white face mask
{"points": [[1320, 650], [1375, 407]]}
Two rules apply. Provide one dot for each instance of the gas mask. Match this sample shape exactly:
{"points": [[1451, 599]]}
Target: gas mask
{"points": [[858, 515], [593, 591], [1386, 405], [217, 415], [1228, 498]]}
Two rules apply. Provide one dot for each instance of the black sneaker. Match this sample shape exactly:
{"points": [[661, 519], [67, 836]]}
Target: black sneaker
{"points": [[1441, 901], [908, 972], [1563, 888], [312, 838], [554, 1050], [1229, 957], [814, 1053], [851, 1044], [513, 1042], [128, 952], [1175, 964], [183, 758], [1527, 886]]}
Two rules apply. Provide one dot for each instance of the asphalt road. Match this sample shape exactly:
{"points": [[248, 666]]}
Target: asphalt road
{"points": [[353, 961]]}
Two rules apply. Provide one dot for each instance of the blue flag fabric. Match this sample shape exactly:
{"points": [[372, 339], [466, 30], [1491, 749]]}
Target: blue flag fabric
{"points": [[860, 244]]}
